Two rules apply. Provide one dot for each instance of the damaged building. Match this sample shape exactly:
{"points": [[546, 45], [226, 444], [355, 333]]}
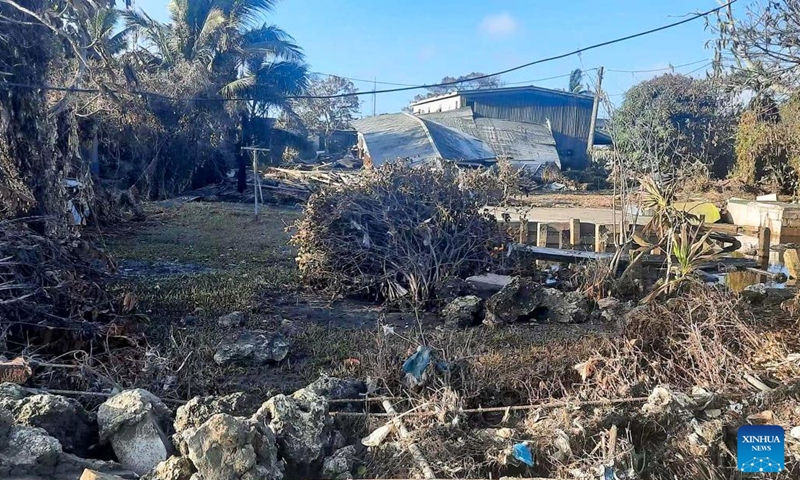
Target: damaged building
{"points": [[530, 126]]}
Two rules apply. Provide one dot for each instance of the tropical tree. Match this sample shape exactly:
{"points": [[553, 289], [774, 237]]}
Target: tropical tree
{"points": [[248, 59], [576, 84], [672, 120]]}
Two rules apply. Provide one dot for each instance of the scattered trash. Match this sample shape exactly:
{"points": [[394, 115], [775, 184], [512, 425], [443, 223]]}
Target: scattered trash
{"points": [[377, 437], [388, 330], [795, 433], [555, 187], [418, 362], [522, 452], [15, 371]]}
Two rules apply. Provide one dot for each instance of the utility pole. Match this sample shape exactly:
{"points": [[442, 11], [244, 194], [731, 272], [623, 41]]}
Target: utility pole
{"points": [[595, 108], [374, 95]]}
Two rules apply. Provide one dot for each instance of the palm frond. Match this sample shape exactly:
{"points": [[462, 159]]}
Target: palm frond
{"points": [[215, 20], [158, 35], [240, 87], [271, 40]]}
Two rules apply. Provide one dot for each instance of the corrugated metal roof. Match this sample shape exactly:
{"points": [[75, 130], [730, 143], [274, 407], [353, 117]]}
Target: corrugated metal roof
{"points": [[396, 135], [401, 135], [457, 145], [520, 141]]}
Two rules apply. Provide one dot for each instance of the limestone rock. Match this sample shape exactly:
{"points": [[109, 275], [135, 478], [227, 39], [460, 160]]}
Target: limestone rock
{"points": [[452, 288], [231, 448], [233, 319], [136, 423], [63, 418], [339, 466], [334, 388], [563, 307], [301, 424], [10, 394], [517, 300], [6, 422], [29, 450], [252, 347], [89, 474], [199, 410], [173, 468], [761, 293], [463, 312]]}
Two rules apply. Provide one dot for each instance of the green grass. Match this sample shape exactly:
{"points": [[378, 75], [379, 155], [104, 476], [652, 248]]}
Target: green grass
{"points": [[239, 257]]}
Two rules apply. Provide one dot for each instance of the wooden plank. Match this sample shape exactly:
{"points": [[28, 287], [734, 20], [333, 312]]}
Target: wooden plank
{"points": [[523, 231], [599, 238], [763, 242], [575, 232], [541, 235], [578, 256]]}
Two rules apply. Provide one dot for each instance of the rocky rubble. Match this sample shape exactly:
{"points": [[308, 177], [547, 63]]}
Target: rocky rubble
{"points": [[252, 347], [524, 299], [136, 424], [63, 418], [228, 448], [218, 438], [301, 425], [463, 312]]}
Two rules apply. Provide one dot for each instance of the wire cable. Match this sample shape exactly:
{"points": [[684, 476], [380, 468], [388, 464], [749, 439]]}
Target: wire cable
{"points": [[418, 87]]}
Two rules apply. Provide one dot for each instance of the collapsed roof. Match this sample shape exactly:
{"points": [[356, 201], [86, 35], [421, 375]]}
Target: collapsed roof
{"points": [[456, 135]]}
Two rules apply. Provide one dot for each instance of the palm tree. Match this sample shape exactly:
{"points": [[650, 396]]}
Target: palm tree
{"points": [[249, 59], [576, 82]]}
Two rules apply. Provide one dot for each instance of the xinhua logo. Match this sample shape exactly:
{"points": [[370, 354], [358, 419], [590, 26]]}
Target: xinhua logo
{"points": [[760, 448]]}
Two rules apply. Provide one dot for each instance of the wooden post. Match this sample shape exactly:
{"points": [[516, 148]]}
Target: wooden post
{"points": [[599, 241], [595, 108], [541, 235], [255, 181], [763, 242], [575, 232], [523, 230]]}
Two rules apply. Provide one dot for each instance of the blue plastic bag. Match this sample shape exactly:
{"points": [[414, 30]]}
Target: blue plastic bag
{"points": [[417, 363], [523, 453]]}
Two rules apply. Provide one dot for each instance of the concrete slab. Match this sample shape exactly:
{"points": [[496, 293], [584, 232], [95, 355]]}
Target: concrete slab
{"points": [[782, 218]]}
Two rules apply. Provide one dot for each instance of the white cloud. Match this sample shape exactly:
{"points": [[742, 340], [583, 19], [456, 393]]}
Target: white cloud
{"points": [[499, 25]]}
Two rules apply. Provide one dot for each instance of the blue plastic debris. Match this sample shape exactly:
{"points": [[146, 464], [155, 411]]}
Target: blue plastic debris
{"points": [[417, 363], [608, 473], [523, 453]]}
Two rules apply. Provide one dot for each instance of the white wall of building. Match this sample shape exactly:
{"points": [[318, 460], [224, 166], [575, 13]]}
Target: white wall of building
{"points": [[440, 105]]}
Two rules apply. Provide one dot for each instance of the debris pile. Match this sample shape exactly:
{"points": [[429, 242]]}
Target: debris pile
{"points": [[49, 292], [394, 233]]}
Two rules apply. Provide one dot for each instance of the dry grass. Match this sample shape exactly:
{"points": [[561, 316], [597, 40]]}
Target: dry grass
{"points": [[704, 337]]}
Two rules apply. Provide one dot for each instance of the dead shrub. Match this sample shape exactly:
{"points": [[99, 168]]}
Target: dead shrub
{"points": [[394, 233], [49, 296], [707, 337]]}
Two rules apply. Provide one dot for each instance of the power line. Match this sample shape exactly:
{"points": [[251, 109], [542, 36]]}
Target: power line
{"points": [[418, 87], [659, 69], [363, 80], [548, 59]]}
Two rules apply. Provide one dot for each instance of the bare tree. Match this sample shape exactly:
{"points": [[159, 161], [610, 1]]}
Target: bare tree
{"points": [[761, 46], [324, 115], [470, 81]]}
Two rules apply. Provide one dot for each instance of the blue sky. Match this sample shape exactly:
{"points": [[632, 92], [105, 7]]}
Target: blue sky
{"points": [[417, 42]]}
